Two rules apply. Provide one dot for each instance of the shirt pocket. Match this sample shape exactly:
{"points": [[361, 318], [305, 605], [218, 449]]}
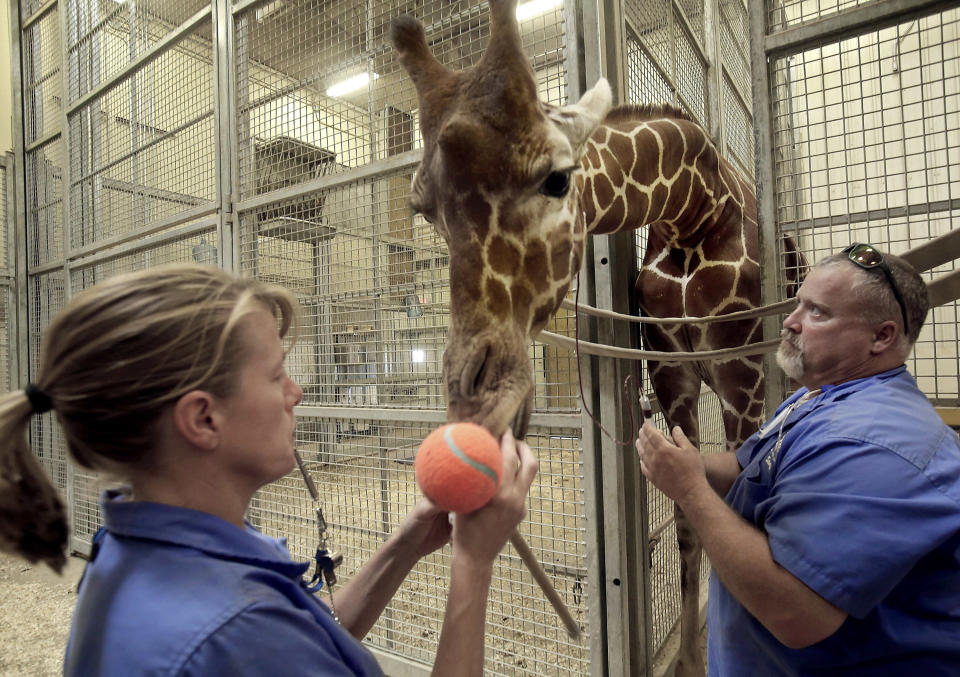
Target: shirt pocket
{"points": [[750, 492]]}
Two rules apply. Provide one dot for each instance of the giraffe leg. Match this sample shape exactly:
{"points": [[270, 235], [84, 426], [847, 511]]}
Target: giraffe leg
{"points": [[678, 392], [689, 660]]}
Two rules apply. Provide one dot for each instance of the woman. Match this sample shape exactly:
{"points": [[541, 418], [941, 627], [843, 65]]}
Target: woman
{"points": [[172, 379]]}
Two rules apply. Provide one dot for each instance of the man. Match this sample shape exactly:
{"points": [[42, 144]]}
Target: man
{"points": [[836, 550]]}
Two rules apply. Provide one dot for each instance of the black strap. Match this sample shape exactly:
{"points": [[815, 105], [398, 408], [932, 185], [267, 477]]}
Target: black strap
{"points": [[39, 400]]}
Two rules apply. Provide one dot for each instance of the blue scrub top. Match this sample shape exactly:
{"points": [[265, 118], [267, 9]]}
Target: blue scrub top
{"points": [[173, 591], [862, 503]]}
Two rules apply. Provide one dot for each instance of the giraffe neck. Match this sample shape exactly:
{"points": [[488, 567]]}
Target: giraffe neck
{"points": [[664, 173]]}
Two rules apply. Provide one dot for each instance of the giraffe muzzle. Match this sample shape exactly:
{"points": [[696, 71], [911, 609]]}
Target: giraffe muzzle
{"points": [[489, 381]]}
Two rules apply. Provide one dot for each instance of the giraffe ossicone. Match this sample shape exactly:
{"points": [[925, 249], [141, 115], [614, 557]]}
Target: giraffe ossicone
{"points": [[496, 181]]}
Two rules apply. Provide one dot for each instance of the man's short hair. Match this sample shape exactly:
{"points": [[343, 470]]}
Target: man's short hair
{"points": [[876, 299]]}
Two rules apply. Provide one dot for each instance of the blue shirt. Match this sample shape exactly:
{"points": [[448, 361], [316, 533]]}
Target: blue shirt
{"points": [[173, 591], [862, 503]]}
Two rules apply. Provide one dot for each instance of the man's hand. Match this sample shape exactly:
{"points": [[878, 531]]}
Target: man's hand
{"points": [[674, 467]]}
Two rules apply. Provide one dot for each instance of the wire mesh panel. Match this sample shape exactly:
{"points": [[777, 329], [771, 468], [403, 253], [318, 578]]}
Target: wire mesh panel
{"points": [[319, 91], [144, 150], [367, 486], [372, 278], [139, 155], [44, 208], [665, 62], [105, 37], [665, 57], [42, 87], [867, 131], [736, 95]]}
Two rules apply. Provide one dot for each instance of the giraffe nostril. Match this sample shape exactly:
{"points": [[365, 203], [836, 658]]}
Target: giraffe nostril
{"points": [[472, 375]]}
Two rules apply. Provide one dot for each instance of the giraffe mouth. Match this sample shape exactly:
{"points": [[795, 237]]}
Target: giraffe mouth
{"points": [[489, 381], [521, 420]]}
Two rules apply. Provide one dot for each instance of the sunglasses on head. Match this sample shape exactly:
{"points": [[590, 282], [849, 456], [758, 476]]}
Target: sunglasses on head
{"points": [[868, 258]]}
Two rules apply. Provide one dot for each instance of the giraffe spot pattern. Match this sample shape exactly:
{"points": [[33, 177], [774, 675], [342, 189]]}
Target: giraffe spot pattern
{"points": [[496, 296], [535, 269], [504, 256], [561, 247]]}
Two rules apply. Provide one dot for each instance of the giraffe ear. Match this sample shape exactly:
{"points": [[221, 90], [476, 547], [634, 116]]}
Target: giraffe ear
{"points": [[577, 121]]}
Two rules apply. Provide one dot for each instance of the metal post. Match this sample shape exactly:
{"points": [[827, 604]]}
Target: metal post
{"points": [[224, 112], [776, 385]]}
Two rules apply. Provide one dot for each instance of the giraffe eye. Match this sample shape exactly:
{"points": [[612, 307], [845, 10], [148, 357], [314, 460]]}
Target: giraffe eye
{"points": [[557, 184]]}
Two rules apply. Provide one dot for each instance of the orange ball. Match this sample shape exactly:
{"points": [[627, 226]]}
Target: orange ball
{"points": [[458, 467]]}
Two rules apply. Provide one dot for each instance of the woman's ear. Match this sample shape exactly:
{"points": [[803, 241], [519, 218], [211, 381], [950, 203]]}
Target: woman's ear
{"points": [[194, 417]]}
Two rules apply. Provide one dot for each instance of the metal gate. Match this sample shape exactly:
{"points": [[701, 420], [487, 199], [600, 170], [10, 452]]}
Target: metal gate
{"points": [[278, 137]]}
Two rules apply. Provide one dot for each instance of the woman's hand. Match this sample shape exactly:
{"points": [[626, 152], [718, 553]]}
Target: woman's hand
{"points": [[425, 529], [481, 535]]}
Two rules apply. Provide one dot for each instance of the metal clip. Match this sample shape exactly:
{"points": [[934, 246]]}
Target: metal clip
{"points": [[328, 562], [321, 527]]}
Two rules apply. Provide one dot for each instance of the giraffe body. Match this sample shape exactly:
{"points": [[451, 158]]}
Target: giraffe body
{"points": [[498, 182], [654, 167]]}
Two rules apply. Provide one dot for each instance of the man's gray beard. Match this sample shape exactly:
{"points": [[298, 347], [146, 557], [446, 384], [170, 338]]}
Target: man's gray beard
{"points": [[792, 364]]}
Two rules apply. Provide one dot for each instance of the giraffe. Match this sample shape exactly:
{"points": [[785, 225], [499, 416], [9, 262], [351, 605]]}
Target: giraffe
{"points": [[654, 166], [515, 185]]}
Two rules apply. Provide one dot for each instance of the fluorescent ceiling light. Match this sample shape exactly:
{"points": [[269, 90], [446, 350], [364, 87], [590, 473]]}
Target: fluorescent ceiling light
{"points": [[536, 7], [351, 84], [418, 355]]}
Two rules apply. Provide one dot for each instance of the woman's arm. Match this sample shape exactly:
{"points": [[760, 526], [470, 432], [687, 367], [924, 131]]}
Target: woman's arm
{"points": [[477, 540], [360, 601]]}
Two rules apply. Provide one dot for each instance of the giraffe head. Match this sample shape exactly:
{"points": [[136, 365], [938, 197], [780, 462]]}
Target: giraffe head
{"points": [[495, 182]]}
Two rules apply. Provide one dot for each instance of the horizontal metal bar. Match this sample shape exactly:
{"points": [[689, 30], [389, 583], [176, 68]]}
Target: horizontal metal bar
{"points": [[44, 268], [81, 547], [39, 14], [163, 224], [873, 215], [42, 141], [395, 665], [572, 420], [934, 252], [141, 245], [151, 192], [44, 78], [150, 144], [407, 160], [867, 18], [158, 50]]}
